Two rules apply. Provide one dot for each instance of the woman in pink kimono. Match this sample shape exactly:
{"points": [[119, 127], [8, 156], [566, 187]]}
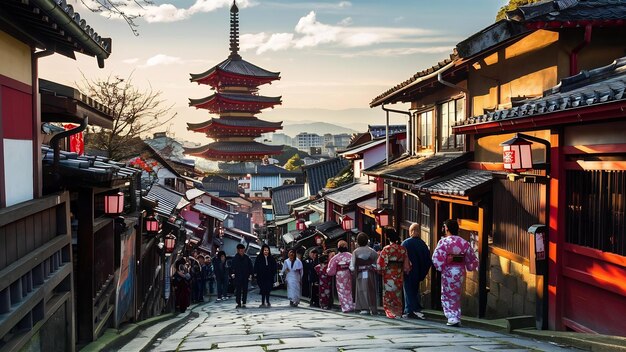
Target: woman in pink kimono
{"points": [[339, 267], [453, 256], [393, 262], [325, 282]]}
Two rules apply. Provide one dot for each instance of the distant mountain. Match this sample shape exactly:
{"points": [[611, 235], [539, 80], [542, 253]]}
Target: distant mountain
{"points": [[292, 129]]}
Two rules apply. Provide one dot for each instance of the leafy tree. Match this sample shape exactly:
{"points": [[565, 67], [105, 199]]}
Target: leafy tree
{"points": [[512, 5], [289, 152], [134, 113], [294, 163]]}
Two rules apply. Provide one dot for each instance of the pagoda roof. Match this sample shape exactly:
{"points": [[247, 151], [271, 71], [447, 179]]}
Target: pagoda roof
{"points": [[236, 67], [236, 151], [234, 102], [226, 122]]}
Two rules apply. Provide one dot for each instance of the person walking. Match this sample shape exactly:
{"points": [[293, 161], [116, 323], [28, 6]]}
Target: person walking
{"points": [[363, 265], [221, 271], [453, 256], [325, 283], [265, 270], [392, 262], [182, 285], [292, 272], [242, 271], [419, 255], [339, 266], [312, 278]]}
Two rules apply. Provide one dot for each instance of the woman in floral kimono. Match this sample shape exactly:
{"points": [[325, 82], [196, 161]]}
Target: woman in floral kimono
{"points": [[339, 267], [325, 282], [393, 262], [452, 257], [293, 271]]}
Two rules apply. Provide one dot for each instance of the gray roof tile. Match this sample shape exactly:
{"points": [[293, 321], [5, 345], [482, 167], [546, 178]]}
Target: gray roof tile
{"points": [[460, 183], [284, 194], [352, 193], [317, 174], [167, 200]]}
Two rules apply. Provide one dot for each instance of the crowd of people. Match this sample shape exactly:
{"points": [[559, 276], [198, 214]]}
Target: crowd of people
{"points": [[400, 267]]}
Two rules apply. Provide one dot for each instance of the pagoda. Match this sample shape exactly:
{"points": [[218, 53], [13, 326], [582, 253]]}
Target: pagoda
{"points": [[236, 101]]}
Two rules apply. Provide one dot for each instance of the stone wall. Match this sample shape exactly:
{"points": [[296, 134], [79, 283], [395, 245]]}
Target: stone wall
{"points": [[512, 289]]}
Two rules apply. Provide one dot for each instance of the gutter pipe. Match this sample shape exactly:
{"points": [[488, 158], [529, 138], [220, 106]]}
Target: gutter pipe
{"points": [[387, 111], [101, 47], [54, 141], [573, 56]]}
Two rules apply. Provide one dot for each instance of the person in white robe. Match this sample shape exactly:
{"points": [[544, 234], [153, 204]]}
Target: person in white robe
{"points": [[292, 272]]}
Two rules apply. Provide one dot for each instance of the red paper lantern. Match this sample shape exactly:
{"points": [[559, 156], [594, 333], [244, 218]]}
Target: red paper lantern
{"points": [[516, 154], [152, 224], [170, 243], [300, 225], [347, 223], [382, 217], [114, 203]]}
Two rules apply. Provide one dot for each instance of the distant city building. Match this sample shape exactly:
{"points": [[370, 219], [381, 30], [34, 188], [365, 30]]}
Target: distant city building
{"points": [[304, 141], [280, 139]]}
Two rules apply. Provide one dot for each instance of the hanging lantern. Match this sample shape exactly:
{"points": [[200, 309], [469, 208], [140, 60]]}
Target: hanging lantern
{"points": [[382, 217], [170, 243], [516, 154], [347, 223], [152, 225], [114, 203], [300, 225]]}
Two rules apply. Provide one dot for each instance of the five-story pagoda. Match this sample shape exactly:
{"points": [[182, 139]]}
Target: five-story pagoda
{"points": [[236, 101]]}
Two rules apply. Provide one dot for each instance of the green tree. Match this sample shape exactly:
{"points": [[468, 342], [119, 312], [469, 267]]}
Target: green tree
{"points": [[512, 5], [294, 163], [135, 113]]}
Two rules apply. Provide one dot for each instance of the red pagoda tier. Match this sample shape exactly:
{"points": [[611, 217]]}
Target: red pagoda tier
{"points": [[229, 102], [236, 101], [234, 151], [234, 126]]}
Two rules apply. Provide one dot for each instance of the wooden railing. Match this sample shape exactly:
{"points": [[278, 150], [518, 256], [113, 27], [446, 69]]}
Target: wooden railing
{"points": [[36, 275]]}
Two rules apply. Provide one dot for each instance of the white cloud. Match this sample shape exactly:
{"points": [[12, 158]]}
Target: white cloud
{"points": [[345, 22], [390, 52], [310, 32], [166, 12], [161, 60], [321, 6]]}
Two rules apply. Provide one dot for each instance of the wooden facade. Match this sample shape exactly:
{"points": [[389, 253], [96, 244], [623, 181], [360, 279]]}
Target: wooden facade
{"points": [[36, 286]]}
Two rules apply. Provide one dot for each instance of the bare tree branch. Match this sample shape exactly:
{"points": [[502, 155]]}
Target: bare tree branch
{"points": [[116, 8]]}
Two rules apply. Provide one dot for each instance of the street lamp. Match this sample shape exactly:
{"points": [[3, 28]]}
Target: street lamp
{"points": [[152, 225], [114, 203], [382, 217], [347, 223], [300, 225], [170, 243], [517, 153]]}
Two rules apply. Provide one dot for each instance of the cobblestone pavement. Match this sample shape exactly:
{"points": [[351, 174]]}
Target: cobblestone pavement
{"points": [[281, 328]]}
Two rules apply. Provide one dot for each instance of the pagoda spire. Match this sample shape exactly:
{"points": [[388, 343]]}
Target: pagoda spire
{"points": [[234, 32]]}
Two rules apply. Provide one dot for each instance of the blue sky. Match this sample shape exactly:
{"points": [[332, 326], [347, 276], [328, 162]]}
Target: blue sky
{"points": [[331, 54]]}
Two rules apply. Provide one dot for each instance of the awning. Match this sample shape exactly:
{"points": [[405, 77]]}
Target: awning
{"points": [[353, 192], [212, 211], [464, 183], [285, 221], [290, 236], [167, 200], [369, 204], [416, 169], [363, 147]]}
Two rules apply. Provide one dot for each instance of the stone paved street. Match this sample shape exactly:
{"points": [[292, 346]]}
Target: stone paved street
{"points": [[281, 328]]}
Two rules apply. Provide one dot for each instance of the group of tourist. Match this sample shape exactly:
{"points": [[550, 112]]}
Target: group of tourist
{"points": [[400, 266]]}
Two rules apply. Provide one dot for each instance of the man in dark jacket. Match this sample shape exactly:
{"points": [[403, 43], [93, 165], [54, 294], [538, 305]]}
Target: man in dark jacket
{"points": [[221, 270], [242, 271], [311, 275], [419, 255]]}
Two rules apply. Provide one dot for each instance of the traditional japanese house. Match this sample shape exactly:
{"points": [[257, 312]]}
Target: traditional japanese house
{"points": [[282, 215], [525, 81], [36, 275], [236, 101]]}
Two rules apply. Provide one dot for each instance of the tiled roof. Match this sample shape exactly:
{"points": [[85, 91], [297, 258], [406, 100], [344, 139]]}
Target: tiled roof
{"points": [[235, 122], [244, 168], [56, 25], [212, 211], [240, 67], [393, 95], [361, 148], [167, 200], [284, 194], [415, 169], [331, 229], [460, 183], [94, 170], [379, 131], [240, 148], [598, 86], [354, 192], [236, 97], [193, 193], [369, 204], [569, 11], [318, 174]]}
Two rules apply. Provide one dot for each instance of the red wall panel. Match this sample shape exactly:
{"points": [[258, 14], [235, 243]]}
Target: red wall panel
{"points": [[17, 112]]}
